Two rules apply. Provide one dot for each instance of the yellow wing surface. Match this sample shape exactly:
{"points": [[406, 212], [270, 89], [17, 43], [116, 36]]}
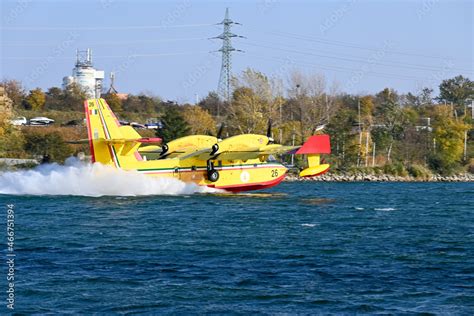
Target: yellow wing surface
{"points": [[187, 145], [244, 153]]}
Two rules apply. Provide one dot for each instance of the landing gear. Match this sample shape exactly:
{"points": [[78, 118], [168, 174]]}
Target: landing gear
{"points": [[212, 174]]}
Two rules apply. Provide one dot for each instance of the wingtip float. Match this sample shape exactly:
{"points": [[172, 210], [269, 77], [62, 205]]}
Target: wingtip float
{"points": [[238, 163]]}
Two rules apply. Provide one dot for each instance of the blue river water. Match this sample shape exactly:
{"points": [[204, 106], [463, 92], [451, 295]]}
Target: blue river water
{"points": [[300, 248]]}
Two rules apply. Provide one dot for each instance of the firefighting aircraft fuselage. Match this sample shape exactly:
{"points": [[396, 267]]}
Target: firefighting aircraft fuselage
{"points": [[238, 163]]}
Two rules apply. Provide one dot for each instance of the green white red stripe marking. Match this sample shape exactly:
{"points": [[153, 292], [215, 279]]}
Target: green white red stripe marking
{"points": [[223, 168], [107, 135]]}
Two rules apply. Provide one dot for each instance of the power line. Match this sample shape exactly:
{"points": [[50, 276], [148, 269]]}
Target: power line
{"points": [[362, 59], [338, 68], [358, 60], [96, 28], [111, 56], [348, 44], [104, 43]]}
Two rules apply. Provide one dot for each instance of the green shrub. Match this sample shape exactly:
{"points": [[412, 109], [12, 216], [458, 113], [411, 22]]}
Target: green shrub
{"points": [[419, 172], [440, 165], [470, 166], [401, 170], [389, 169], [50, 146], [395, 169], [378, 170]]}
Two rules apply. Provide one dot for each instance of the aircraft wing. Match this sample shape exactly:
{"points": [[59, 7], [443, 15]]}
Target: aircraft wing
{"points": [[256, 153], [202, 154], [130, 140], [150, 149], [248, 153], [280, 150]]}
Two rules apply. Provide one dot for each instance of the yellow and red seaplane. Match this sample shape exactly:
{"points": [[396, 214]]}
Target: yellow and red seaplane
{"points": [[238, 163]]}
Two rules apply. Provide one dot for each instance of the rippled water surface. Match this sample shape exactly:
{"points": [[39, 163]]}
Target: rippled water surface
{"points": [[305, 248]]}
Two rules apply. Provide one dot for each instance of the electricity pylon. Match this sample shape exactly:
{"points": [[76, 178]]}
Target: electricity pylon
{"points": [[224, 89]]}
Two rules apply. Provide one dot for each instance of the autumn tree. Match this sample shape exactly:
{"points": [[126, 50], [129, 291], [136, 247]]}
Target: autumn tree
{"points": [[449, 134], [11, 138], [142, 103], [74, 97], [367, 108], [147, 103], [35, 100], [246, 114], [309, 104], [114, 102], [55, 99], [365, 121], [199, 120], [214, 105], [256, 99], [15, 91], [132, 104]]}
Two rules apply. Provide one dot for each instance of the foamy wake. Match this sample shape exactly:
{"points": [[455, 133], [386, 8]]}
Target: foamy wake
{"points": [[385, 209], [79, 178]]}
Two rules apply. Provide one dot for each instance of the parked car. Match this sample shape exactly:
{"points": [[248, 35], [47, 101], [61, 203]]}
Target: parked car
{"points": [[41, 121], [137, 125], [18, 121], [155, 125]]}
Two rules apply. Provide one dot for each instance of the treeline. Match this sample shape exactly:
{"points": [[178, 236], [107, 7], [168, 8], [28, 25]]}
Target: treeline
{"points": [[388, 130], [72, 99], [398, 133]]}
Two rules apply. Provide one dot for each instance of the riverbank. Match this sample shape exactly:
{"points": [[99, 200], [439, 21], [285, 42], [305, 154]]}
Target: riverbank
{"points": [[360, 177]]}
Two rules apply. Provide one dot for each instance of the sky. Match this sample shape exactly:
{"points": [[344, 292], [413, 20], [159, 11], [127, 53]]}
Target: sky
{"points": [[163, 48]]}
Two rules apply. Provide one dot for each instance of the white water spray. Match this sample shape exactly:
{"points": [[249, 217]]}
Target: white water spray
{"points": [[83, 179]]}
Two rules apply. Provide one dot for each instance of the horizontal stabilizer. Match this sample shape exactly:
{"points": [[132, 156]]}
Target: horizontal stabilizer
{"points": [[145, 140], [149, 140], [79, 141]]}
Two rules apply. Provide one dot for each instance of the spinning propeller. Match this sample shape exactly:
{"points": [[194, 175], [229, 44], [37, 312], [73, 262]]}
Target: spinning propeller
{"points": [[219, 132], [269, 132]]}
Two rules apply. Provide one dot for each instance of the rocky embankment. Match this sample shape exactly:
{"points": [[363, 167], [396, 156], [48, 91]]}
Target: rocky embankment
{"points": [[466, 177]]}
